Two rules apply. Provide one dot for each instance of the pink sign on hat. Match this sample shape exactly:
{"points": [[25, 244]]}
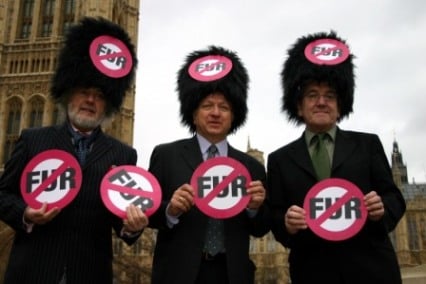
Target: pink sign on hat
{"points": [[210, 68], [111, 56], [326, 51]]}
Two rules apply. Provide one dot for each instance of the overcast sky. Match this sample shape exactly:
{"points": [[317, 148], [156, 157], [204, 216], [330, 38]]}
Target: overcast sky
{"points": [[388, 38]]}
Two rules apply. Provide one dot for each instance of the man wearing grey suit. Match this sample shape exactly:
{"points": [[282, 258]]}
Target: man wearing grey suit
{"points": [[72, 244]]}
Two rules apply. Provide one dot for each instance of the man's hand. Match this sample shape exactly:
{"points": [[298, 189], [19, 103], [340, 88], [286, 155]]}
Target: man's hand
{"points": [[182, 200], [136, 220], [295, 219], [40, 216], [375, 207], [257, 194]]}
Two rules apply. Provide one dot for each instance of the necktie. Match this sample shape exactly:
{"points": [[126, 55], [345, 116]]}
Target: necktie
{"points": [[211, 151], [214, 240], [82, 147], [320, 157]]}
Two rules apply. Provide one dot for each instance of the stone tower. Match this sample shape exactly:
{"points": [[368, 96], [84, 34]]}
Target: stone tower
{"points": [[409, 237], [399, 170]]}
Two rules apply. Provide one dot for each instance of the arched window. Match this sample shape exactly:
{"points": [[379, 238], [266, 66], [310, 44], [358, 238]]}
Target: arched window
{"points": [[36, 112], [68, 14], [13, 127], [26, 19], [14, 117], [47, 18], [412, 232]]}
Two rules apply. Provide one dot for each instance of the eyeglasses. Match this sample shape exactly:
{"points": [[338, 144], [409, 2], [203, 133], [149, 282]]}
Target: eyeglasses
{"points": [[314, 97]]}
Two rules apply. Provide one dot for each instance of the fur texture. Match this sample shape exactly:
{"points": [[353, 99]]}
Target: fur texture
{"points": [[75, 67], [298, 70], [234, 86]]}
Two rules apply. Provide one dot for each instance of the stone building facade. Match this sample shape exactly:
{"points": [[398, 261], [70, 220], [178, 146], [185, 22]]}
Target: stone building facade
{"points": [[409, 237]]}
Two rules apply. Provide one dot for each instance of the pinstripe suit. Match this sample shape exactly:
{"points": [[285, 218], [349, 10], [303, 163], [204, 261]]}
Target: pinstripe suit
{"points": [[367, 257], [76, 242]]}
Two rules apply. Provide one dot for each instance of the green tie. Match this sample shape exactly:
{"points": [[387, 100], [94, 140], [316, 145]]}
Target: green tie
{"points": [[320, 157]]}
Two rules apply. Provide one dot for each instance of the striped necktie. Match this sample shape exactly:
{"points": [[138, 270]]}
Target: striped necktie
{"points": [[212, 151], [214, 240]]}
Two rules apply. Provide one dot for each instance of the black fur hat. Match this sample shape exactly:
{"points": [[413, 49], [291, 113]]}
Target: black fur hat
{"points": [[303, 66], [85, 61], [204, 72]]}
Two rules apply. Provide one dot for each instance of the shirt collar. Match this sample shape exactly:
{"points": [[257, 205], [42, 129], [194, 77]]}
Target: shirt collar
{"points": [[309, 134], [222, 146], [75, 133]]}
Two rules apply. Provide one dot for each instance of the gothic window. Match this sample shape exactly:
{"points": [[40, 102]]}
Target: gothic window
{"points": [[12, 67], [35, 66], [253, 245], [412, 233], [36, 112], [14, 117], [26, 18], [23, 66], [271, 245], [58, 116], [45, 65], [68, 14], [47, 17], [13, 127]]}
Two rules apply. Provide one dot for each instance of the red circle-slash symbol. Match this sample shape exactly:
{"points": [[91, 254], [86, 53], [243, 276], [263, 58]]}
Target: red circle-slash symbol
{"points": [[220, 184], [53, 177]]}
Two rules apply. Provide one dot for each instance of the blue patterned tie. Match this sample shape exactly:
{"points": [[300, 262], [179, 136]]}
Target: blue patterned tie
{"points": [[212, 151], [82, 147], [214, 241]]}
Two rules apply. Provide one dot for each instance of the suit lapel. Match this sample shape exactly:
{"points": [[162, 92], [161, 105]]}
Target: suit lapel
{"points": [[101, 145], [232, 153], [298, 152], [63, 138], [343, 147], [235, 154], [191, 152]]}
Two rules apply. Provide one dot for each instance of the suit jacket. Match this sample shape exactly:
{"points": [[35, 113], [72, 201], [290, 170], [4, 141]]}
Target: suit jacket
{"points": [[77, 243], [178, 250], [367, 257]]}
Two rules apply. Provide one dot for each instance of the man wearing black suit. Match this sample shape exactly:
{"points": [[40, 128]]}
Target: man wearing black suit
{"points": [[319, 94], [72, 245], [212, 109]]}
